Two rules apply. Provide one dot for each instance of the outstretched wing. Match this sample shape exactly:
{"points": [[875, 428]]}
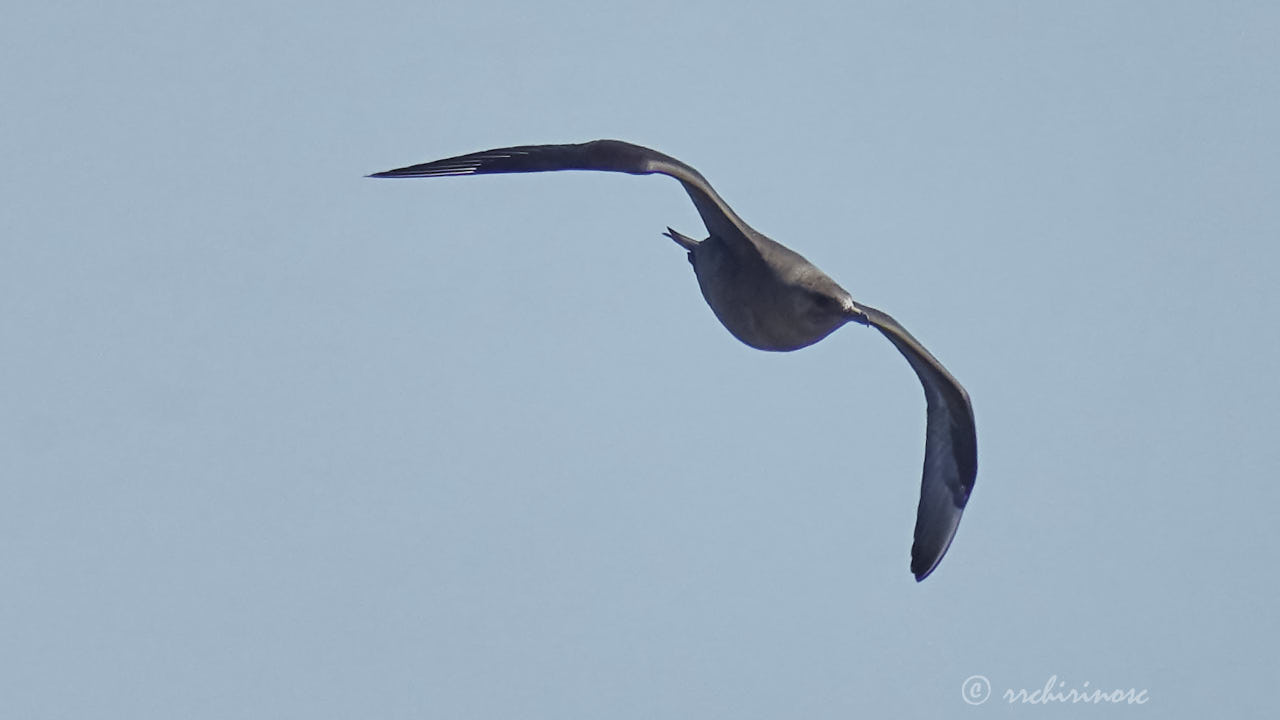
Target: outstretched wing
{"points": [[603, 155], [950, 448]]}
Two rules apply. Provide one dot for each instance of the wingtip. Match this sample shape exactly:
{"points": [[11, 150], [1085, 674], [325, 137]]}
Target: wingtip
{"points": [[926, 558], [923, 562]]}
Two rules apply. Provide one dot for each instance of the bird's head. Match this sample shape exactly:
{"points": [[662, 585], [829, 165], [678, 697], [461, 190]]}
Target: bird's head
{"points": [[823, 306]]}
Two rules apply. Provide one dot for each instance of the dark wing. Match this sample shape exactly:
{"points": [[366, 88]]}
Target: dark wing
{"points": [[603, 155], [950, 448]]}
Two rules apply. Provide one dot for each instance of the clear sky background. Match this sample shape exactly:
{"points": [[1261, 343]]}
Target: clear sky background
{"points": [[279, 441]]}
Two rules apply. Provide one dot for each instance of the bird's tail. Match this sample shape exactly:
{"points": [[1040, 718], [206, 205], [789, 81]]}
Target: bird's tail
{"points": [[685, 241]]}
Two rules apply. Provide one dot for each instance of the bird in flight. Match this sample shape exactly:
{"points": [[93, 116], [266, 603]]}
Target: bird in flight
{"points": [[771, 298]]}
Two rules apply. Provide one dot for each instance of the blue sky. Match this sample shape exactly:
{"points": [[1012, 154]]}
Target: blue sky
{"points": [[277, 440]]}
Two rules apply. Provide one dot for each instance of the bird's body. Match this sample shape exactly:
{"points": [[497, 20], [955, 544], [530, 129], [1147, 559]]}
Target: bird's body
{"points": [[764, 296], [772, 298]]}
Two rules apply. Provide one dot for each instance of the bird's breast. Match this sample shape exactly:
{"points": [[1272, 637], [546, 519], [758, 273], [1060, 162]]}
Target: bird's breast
{"points": [[752, 304]]}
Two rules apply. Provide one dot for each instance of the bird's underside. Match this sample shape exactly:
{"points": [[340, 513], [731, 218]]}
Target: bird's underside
{"points": [[772, 298]]}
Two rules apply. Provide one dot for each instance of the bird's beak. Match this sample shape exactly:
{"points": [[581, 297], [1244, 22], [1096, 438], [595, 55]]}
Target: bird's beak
{"points": [[855, 313]]}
